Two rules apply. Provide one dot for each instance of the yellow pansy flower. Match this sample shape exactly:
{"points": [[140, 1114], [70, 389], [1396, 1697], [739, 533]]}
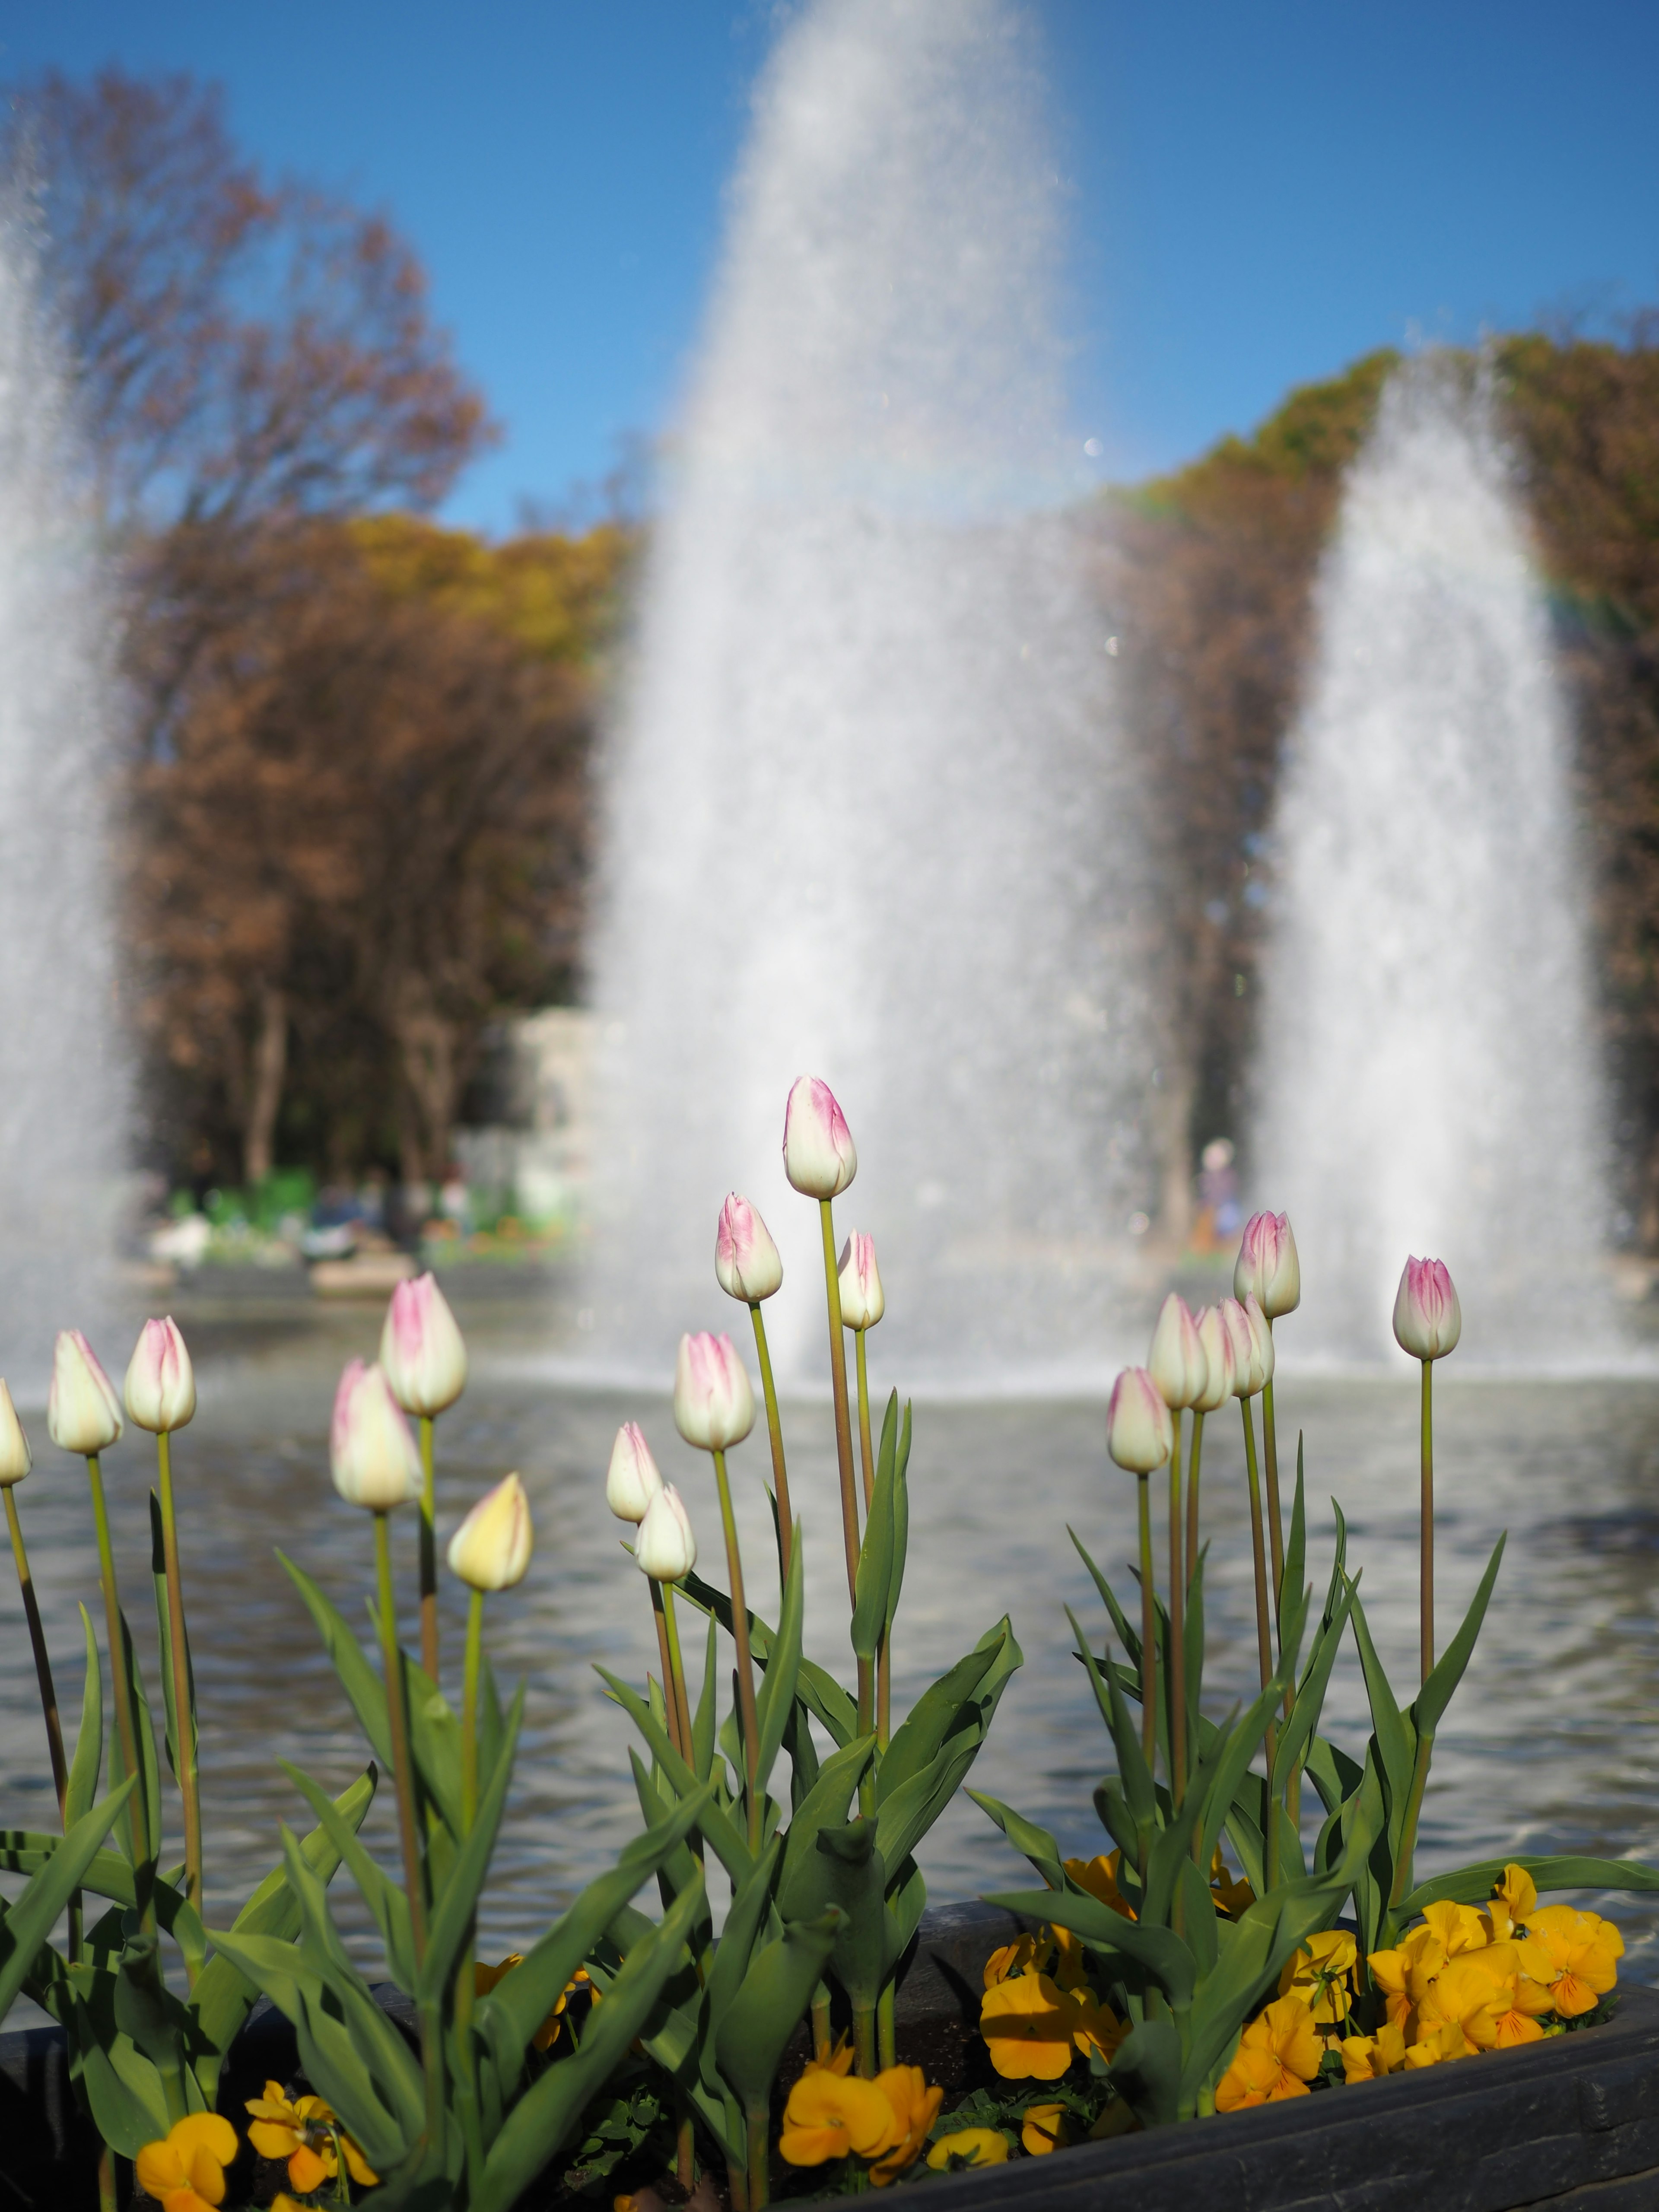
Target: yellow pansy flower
{"points": [[302, 2130], [828, 2115], [1519, 1893], [1404, 1973], [485, 1978], [838, 2061], [1442, 2041], [1230, 1896], [1029, 1955], [1042, 2128], [1369, 2057], [1099, 1877], [1278, 2054], [1318, 1974], [1456, 1927], [186, 2171], [1028, 2023], [915, 2108], [1095, 2026], [1580, 1952], [973, 2146]]}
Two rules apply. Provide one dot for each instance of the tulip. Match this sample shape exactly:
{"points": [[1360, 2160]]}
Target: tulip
{"points": [[1178, 1364], [666, 1549], [1261, 1342], [15, 1460], [1427, 1318], [161, 1386], [491, 1548], [1268, 1266], [633, 1480], [14, 1463], [1427, 1323], [371, 1452], [1139, 1434], [819, 1156], [862, 1303], [423, 1352], [1218, 1345], [747, 1267], [713, 1405], [83, 1414], [160, 1395], [746, 1263], [1247, 1376]]}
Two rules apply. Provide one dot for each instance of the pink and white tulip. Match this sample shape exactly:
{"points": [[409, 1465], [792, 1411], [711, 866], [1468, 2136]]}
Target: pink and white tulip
{"points": [[713, 1405], [1267, 1264], [83, 1414], [746, 1261], [862, 1303], [1427, 1318], [160, 1385], [818, 1154], [16, 1458], [665, 1549], [1261, 1341], [371, 1453], [1218, 1360], [1140, 1435], [632, 1480], [1249, 1375], [491, 1548], [421, 1349], [1178, 1361]]}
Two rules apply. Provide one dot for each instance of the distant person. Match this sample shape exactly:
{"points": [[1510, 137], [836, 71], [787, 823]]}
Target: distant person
{"points": [[1219, 1213]]}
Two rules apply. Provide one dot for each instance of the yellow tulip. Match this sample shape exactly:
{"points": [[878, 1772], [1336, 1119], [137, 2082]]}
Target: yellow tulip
{"points": [[973, 2146]]}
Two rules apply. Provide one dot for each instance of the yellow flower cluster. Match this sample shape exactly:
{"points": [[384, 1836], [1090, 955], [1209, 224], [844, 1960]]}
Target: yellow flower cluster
{"points": [[831, 2113], [304, 2131], [1463, 1981], [1038, 2009]]}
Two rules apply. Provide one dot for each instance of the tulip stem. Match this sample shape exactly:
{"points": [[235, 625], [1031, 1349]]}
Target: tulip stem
{"points": [[183, 1703], [849, 1507], [774, 1432], [1148, 1630], [1191, 1497], [1263, 1638], [1427, 1533], [42, 1660], [745, 1663], [674, 1736], [428, 1555], [470, 1710], [679, 1699], [760, 2180], [126, 1723], [1177, 1653], [397, 1725], [1275, 1534], [867, 1457]]}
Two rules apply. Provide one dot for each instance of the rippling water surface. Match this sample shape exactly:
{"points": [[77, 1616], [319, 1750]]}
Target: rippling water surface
{"points": [[1552, 1743]]}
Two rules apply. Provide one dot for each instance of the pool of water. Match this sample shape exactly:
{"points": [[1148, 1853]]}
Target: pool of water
{"points": [[1552, 1743]]}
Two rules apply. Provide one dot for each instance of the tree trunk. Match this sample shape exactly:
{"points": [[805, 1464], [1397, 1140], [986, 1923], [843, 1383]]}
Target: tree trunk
{"points": [[426, 1041], [1172, 1137], [264, 1096]]}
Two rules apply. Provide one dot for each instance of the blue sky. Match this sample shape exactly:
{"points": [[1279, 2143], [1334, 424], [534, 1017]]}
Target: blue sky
{"points": [[1259, 193]]}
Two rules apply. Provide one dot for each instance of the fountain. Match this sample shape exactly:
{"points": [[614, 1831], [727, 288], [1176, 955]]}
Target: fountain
{"points": [[868, 813], [64, 1080], [1427, 1077]]}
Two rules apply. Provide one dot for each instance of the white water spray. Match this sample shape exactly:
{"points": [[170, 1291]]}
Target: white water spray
{"points": [[64, 1067], [867, 817], [1427, 1079]]}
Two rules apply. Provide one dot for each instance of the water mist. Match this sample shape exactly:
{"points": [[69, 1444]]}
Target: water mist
{"points": [[1427, 1079], [867, 816]]}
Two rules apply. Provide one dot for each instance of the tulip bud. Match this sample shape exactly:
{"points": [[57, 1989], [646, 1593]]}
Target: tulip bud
{"points": [[1268, 1266], [818, 1156], [1176, 1361], [83, 1414], [746, 1263], [713, 1405], [1249, 1375], [1138, 1432], [862, 1303], [161, 1387], [1261, 1341], [421, 1350], [1427, 1318], [16, 1459], [1219, 1357], [633, 1480], [665, 1549], [491, 1548], [370, 1450]]}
